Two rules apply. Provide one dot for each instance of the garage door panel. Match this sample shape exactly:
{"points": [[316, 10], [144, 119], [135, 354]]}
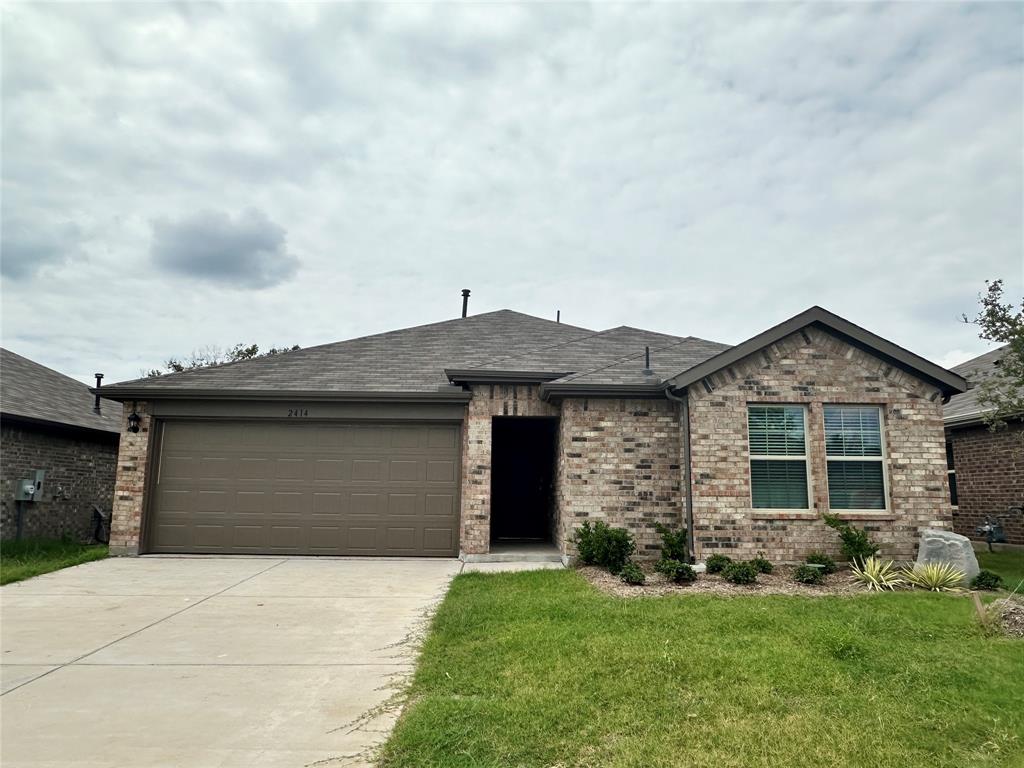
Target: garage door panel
{"points": [[312, 488]]}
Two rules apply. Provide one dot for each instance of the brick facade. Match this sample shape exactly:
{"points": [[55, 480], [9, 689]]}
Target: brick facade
{"points": [[79, 468], [813, 368], [619, 462], [989, 478], [130, 485], [489, 400]]}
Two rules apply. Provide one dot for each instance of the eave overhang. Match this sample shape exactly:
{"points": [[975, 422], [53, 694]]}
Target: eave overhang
{"points": [[123, 394]]}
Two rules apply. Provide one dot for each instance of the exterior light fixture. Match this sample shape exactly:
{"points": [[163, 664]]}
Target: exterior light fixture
{"points": [[134, 419]]}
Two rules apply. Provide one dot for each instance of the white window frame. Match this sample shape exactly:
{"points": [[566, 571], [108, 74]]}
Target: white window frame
{"points": [[767, 457], [951, 474], [883, 459]]}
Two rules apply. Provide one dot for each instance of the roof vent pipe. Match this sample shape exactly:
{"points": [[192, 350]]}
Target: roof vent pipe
{"points": [[558, 316], [465, 301], [99, 381], [647, 362]]}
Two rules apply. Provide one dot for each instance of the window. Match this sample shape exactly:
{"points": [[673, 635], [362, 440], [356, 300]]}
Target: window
{"points": [[951, 473], [778, 456], [853, 448]]}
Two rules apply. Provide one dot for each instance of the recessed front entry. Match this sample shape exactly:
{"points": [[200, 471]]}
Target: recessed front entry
{"points": [[522, 478], [266, 487]]}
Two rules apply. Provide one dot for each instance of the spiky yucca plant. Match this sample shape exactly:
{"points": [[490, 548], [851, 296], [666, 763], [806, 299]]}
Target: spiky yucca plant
{"points": [[876, 575], [937, 577]]}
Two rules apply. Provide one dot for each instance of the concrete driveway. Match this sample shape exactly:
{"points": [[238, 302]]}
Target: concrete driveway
{"points": [[209, 661]]}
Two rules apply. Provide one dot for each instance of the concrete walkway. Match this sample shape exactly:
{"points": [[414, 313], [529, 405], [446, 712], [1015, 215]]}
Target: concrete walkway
{"points": [[208, 661]]}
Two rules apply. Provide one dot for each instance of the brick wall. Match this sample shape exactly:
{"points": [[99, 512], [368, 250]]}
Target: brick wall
{"points": [[618, 461], [488, 400], [130, 485], [79, 473], [812, 367], [989, 478]]}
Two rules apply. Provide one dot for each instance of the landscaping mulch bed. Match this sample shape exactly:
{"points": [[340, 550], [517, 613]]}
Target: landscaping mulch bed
{"points": [[778, 582], [1011, 617]]}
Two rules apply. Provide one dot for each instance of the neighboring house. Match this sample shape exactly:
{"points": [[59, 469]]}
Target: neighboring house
{"points": [[986, 468], [48, 423], [452, 437]]}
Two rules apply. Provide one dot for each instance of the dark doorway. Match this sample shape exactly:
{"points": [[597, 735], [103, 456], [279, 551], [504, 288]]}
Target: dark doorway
{"points": [[522, 478]]}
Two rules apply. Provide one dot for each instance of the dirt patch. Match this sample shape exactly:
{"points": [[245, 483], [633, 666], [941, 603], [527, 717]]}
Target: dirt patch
{"points": [[778, 582]]}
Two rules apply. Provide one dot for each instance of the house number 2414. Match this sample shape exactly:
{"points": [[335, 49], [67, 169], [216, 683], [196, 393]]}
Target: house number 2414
{"points": [[298, 412]]}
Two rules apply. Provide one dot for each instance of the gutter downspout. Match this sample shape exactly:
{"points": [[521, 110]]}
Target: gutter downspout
{"points": [[685, 418]]}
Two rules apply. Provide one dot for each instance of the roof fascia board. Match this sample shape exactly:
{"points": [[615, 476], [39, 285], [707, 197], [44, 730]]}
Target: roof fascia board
{"points": [[949, 382], [61, 426], [481, 376], [548, 391], [131, 393]]}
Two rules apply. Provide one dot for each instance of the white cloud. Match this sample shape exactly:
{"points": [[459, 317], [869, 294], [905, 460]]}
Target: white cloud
{"points": [[694, 169]]}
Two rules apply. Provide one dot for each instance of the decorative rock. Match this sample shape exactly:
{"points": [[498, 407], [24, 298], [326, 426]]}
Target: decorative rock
{"points": [[948, 547]]}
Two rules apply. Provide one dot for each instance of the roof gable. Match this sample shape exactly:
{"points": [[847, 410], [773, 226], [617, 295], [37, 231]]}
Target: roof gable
{"points": [[948, 382], [36, 393]]}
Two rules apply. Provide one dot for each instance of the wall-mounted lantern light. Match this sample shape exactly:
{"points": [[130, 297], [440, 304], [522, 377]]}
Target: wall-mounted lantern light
{"points": [[134, 419]]}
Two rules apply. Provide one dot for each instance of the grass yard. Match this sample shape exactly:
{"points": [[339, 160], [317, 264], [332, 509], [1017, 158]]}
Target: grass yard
{"points": [[539, 669], [1009, 565], [23, 559]]}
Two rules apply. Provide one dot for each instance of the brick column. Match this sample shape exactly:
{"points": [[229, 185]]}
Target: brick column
{"points": [[130, 483]]}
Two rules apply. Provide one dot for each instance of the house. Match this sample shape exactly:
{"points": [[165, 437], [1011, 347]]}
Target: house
{"points": [[453, 437], [48, 423], [986, 468]]}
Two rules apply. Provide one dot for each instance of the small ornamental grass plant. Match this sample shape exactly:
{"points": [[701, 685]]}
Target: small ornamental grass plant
{"points": [[675, 571], [876, 575], [935, 577]]}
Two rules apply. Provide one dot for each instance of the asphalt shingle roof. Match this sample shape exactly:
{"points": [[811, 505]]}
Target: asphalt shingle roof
{"points": [[33, 391], [965, 406], [414, 359], [407, 360]]}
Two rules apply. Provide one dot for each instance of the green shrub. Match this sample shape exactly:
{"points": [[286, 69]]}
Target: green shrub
{"points": [[762, 564], [740, 573], [600, 544], [820, 558], [987, 580], [673, 544], [806, 574], [630, 573], [856, 544], [717, 563], [675, 571], [876, 575], [935, 577]]}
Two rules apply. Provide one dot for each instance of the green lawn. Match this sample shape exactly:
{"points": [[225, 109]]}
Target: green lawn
{"points": [[539, 669], [24, 559], [1009, 565]]}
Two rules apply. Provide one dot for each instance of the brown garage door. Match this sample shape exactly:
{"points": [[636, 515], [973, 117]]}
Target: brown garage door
{"points": [[311, 488]]}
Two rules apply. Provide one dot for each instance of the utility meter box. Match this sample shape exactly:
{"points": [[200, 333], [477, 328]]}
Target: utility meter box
{"points": [[31, 488]]}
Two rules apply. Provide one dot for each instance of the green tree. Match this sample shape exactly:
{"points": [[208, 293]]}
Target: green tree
{"points": [[1001, 395], [214, 355]]}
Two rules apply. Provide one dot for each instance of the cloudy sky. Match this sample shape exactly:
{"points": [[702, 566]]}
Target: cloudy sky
{"points": [[181, 175]]}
